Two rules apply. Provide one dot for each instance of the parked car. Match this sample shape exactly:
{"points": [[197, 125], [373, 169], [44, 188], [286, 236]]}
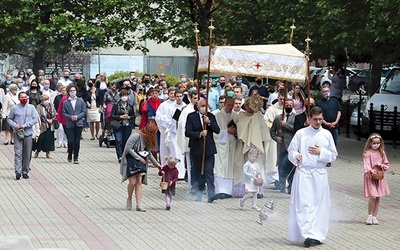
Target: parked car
{"points": [[323, 78], [361, 80], [387, 95]]}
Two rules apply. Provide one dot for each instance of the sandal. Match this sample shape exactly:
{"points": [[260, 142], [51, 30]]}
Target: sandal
{"points": [[256, 209]]}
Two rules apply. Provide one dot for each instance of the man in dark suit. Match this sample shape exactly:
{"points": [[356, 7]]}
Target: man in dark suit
{"points": [[74, 110], [200, 127], [282, 131]]}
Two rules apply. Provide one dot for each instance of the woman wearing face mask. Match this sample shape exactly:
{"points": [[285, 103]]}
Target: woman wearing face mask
{"points": [[47, 114], [94, 101], [10, 99], [34, 94], [123, 113]]}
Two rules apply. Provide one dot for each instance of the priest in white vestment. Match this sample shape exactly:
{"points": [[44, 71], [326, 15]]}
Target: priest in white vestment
{"points": [[311, 149], [226, 144], [182, 140]]}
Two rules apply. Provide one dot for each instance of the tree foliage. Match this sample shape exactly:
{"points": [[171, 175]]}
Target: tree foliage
{"points": [[359, 31]]}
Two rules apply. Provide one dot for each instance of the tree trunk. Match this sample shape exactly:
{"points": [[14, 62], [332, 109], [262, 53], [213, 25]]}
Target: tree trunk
{"points": [[376, 75], [38, 61]]}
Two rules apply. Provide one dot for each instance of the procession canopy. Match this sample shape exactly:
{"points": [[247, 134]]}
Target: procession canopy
{"points": [[277, 61]]}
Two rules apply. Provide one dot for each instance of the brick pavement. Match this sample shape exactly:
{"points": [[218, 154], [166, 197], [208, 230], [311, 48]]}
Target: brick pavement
{"points": [[82, 206]]}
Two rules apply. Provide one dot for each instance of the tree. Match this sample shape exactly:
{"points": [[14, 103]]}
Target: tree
{"points": [[33, 28]]}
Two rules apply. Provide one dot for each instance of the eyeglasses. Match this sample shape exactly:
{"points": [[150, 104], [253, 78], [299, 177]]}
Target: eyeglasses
{"points": [[376, 137], [317, 119]]}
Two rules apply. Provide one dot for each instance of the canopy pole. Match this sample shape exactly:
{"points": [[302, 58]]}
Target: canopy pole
{"points": [[211, 28], [308, 40]]}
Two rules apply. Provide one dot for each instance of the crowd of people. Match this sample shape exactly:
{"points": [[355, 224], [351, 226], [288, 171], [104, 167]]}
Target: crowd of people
{"points": [[230, 141]]}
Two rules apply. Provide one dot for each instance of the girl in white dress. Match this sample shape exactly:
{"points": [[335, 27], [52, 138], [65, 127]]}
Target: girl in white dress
{"points": [[251, 171]]}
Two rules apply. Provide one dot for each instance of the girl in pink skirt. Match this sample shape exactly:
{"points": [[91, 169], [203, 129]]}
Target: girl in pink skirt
{"points": [[374, 161]]}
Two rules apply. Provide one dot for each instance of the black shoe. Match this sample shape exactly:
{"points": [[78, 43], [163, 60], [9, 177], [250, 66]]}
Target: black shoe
{"points": [[328, 165], [186, 177], [119, 160], [167, 208], [25, 176], [12, 143], [69, 158], [311, 242], [260, 196], [76, 162], [17, 176]]}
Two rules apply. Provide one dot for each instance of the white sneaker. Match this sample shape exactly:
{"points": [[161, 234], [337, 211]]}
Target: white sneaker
{"points": [[374, 221], [369, 220]]}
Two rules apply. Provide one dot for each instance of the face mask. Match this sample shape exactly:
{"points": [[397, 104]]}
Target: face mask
{"points": [[202, 110], [239, 81], [76, 80], [133, 77], [8, 82], [127, 88], [258, 82], [72, 94], [165, 97], [288, 110], [20, 85], [47, 102], [23, 101], [375, 146], [90, 85], [183, 79], [21, 76], [192, 89], [147, 81], [222, 84], [326, 95], [33, 87], [124, 98], [66, 77], [153, 80], [46, 87]]}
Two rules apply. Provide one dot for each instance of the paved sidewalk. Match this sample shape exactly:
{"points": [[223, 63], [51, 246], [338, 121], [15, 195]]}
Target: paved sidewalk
{"points": [[82, 206]]}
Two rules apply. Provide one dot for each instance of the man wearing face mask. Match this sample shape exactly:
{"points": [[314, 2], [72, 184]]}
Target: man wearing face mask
{"points": [[64, 80], [147, 82], [6, 83], [46, 90], [73, 110], [240, 83], [262, 91], [221, 85], [200, 127], [332, 112], [21, 85], [23, 116], [282, 131]]}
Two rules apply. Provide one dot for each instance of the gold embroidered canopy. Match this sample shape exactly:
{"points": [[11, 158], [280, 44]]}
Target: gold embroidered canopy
{"points": [[277, 61]]}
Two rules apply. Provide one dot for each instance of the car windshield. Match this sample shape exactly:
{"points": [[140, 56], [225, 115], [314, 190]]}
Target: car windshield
{"points": [[392, 82]]}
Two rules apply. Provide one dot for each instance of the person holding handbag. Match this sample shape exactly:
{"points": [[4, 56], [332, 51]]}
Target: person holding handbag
{"points": [[22, 118], [133, 165], [47, 115], [123, 117]]}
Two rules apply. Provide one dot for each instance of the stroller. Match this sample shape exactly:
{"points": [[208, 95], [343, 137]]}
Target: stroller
{"points": [[107, 136]]}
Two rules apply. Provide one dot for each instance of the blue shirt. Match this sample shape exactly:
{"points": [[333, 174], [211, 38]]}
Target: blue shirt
{"points": [[213, 98], [17, 116]]}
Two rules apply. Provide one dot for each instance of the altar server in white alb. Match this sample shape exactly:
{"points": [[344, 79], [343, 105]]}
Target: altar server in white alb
{"points": [[311, 149], [168, 129]]}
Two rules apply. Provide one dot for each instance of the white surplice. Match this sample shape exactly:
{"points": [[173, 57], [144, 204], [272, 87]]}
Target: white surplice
{"points": [[310, 198], [168, 134], [225, 157], [182, 140]]}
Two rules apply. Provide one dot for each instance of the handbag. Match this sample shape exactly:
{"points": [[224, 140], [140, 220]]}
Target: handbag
{"points": [[21, 134], [134, 166], [114, 125], [56, 124]]}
